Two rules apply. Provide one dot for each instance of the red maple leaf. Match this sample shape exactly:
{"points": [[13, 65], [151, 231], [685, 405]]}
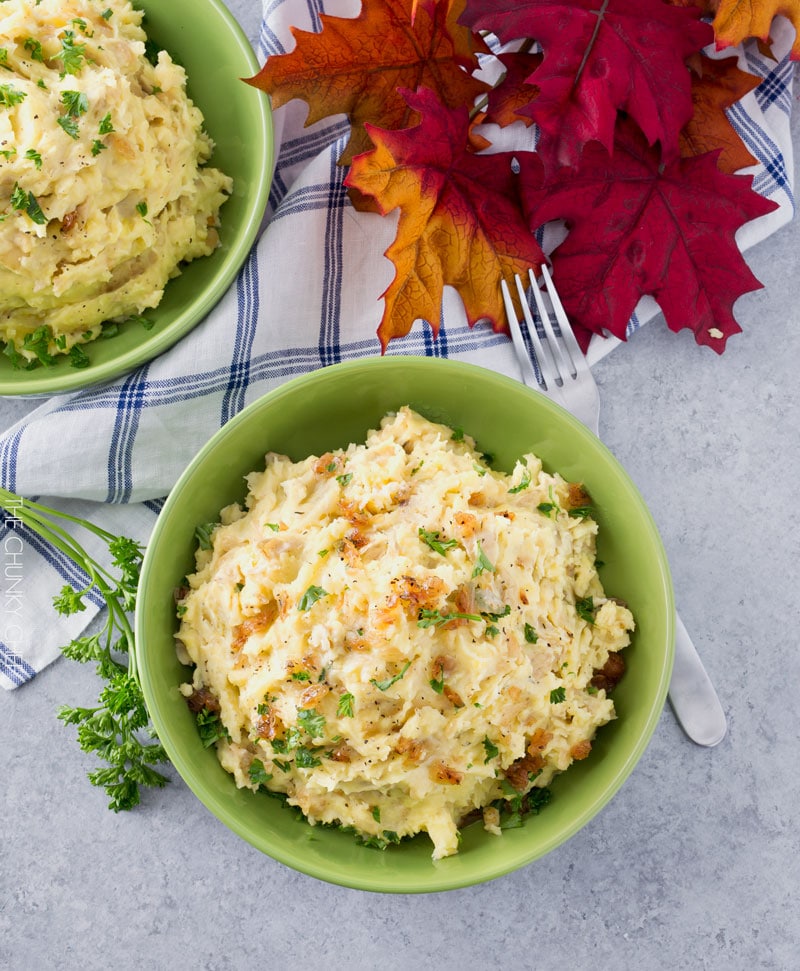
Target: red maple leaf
{"points": [[601, 56], [461, 222], [513, 92], [637, 226]]}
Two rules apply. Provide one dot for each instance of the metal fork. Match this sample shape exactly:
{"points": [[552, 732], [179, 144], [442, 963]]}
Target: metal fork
{"points": [[555, 365]]}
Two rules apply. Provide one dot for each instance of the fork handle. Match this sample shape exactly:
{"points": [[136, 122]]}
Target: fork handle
{"points": [[692, 694]]}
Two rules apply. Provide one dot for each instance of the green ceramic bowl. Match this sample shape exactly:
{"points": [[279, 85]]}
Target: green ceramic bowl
{"points": [[329, 409], [203, 36]]}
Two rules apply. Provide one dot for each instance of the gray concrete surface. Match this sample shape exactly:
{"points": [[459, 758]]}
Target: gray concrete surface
{"points": [[694, 865]]}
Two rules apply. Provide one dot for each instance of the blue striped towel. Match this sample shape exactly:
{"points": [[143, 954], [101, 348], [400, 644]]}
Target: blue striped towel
{"points": [[307, 296]]}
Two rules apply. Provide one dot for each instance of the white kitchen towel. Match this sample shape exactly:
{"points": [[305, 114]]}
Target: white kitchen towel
{"points": [[308, 296]]}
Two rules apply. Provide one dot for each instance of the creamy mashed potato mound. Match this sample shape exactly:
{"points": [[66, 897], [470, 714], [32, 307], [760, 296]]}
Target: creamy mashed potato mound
{"points": [[395, 636], [103, 187]]}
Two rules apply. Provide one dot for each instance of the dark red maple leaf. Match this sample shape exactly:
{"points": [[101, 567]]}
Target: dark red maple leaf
{"points": [[637, 226], [601, 56], [513, 92]]}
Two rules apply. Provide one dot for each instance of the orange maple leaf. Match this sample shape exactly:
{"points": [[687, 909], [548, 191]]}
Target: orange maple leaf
{"points": [[460, 222], [355, 66], [716, 85], [736, 20]]}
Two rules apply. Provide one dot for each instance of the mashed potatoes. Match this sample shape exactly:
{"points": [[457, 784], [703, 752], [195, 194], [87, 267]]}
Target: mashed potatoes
{"points": [[396, 636], [102, 186]]}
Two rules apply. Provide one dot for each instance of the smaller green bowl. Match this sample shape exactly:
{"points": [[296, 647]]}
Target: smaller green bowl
{"points": [[204, 37], [328, 409]]}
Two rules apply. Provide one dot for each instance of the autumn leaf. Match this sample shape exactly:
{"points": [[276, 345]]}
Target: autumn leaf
{"points": [[460, 224], [716, 85], [600, 58], [356, 66], [637, 226], [737, 20], [513, 92]]}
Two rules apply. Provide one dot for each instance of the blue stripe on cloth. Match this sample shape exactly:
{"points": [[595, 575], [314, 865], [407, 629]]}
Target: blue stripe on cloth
{"points": [[247, 297], [315, 8], [8, 460], [774, 177], [775, 88], [155, 505], [129, 408], [310, 198], [13, 667], [66, 569], [329, 350]]}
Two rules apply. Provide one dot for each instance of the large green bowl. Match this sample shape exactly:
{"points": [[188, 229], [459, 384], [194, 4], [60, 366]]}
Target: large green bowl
{"points": [[329, 409], [204, 37]]}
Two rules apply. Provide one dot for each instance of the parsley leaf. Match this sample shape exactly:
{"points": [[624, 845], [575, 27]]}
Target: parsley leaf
{"points": [[304, 758], [10, 96], [312, 722], [33, 156], [71, 55], [258, 774], [483, 565], [202, 534], [105, 127], [436, 542], [557, 695], [75, 102], [492, 751], [345, 707], [435, 618], [311, 596], [69, 125], [210, 727], [35, 48], [385, 685], [585, 609], [531, 636], [117, 728]]}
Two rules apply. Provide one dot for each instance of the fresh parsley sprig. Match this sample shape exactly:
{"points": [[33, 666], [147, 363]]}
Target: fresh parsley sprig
{"points": [[117, 729]]}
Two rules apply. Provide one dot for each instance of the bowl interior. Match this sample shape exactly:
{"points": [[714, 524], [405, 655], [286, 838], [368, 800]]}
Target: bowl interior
{"points": [[237, 116], [328, 409]]}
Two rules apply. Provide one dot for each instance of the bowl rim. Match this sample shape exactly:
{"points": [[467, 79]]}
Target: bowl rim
{"points": [[40, 382], [436, 880]]}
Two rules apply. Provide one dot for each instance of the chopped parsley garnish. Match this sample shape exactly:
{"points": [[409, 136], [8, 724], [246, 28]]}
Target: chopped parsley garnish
{"points": [[26, 201], [71, 55], [258, 774], [202, 534], [433, 538], [483, 565], [458, 435], [492, 630], [38, 341], [301, 676], [312, 722], [304, 758], [376, 813], [141, 208], [33, 45], [210, 727], [345, 707], [105, 127], [33, 156], [75, 102], [107, 14], [78, 357], [492, 751], [98, 147], [311, 596], [385, 685], [377, 842], [547, 508], [585, 609], [10, 96], [344, 479], [438, 683], [557, 695], [524, 482], [273, 526], [435, 618], [531, 636], [8, 153], [69, 124], [581, 512]]}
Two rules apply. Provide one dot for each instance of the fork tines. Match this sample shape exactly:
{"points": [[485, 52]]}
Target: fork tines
{"points": [[553, 369]]}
